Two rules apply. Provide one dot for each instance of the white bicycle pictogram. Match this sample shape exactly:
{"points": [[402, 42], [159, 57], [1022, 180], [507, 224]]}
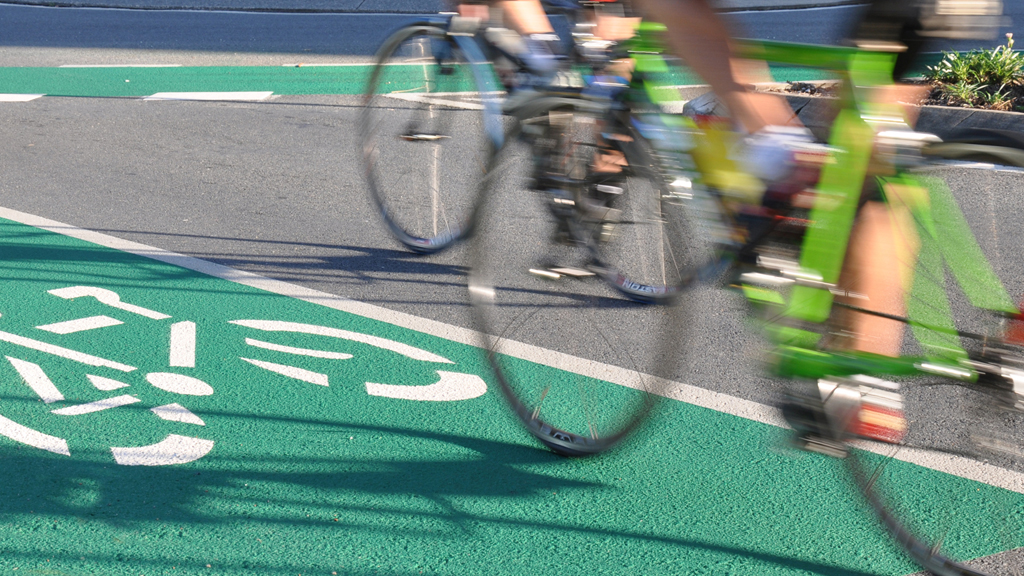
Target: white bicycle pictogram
{"points": [[182, 337]]}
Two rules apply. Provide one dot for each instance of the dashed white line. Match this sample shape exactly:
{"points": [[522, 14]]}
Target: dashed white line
{"points": [[19, 97], [212, 96], [120, 66]]}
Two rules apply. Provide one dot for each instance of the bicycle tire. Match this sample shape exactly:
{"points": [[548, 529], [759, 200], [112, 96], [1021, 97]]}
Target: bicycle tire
{"points": [[620, 241], [540, 308], [952, 490], [430, 121]]}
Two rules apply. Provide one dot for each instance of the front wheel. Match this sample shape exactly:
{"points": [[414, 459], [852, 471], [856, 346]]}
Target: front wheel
{"points": [[951, 492], [427, 134]]}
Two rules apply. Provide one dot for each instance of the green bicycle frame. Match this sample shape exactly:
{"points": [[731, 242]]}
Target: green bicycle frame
{"points": [[946, 240]]}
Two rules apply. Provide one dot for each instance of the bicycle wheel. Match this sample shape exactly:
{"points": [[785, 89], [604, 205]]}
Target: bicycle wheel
{"points": [[580, 366], [428, 126], [951, 492], [622, 213]]}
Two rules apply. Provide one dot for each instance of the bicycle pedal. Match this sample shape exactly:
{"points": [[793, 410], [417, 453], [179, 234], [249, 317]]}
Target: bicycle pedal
{"points": [[819, 445], [574, 272], [545, 273]]}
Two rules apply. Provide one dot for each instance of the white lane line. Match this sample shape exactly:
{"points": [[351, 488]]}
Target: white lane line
{"points": [[119, 66], [212, 96], [291, 372], [37, 380], [717, 401], [183, 344], [96, 406], [80, 325], [63, 352], [327, 64], [19, 97], [299, 351]]}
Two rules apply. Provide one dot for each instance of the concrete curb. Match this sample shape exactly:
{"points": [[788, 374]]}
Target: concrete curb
{"points": [[818, 113]]}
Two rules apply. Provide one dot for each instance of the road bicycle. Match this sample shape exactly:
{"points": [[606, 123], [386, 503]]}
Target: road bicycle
{"points": [[432, 117], [939, 455]]}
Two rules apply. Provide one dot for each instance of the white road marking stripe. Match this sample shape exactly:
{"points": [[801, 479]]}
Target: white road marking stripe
{"points": [[179, 383], [107, 297], [452, 387], [684, 392], [299, 351], [97, 405], [291, 372], [37, 380], [316, 65], [171, 450], [33, 438], [376, 341], [105, 384], [63, 352], [80, 325], [177, 413], [211, 96], [433, 99], [19, 97], [120, 66], [183, 344]]}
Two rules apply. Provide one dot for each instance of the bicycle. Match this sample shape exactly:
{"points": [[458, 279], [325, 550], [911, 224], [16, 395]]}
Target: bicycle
{"points": [[787, 267]]}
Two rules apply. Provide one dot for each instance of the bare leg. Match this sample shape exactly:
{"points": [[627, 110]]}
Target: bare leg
{"points": [[879, 267], [698, 35]]}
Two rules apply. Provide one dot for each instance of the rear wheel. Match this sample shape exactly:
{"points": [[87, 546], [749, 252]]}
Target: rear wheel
{"points": [[427, 134], [580, 365]]}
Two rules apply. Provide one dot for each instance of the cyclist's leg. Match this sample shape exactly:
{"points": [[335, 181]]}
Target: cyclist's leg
{"points": [[701, 38], [876, 274]]}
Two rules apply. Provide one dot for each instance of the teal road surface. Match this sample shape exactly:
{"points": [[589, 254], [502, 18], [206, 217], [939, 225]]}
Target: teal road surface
{"points": [[164, 415], [292, 79], [136, 81]]}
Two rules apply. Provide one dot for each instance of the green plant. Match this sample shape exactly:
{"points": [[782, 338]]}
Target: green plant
{"points": [[996, 99], [962, 92], [999, 66]]}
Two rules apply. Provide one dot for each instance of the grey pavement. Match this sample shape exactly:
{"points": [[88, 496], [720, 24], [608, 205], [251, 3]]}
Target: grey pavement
{"points": [[368, 6]]}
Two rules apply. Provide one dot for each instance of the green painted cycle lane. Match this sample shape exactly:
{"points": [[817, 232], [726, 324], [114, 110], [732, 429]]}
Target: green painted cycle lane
{"points": [[286, 80], [161, 421]]}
